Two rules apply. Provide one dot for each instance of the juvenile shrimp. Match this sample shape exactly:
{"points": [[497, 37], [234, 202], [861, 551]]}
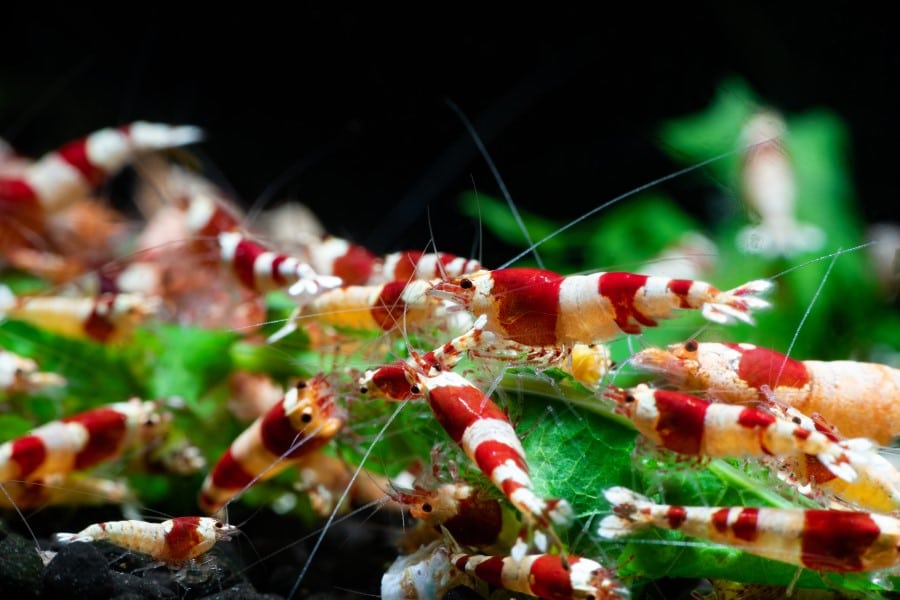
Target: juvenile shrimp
{"points": [[175, 542], [323, 478], [20, 374], [82, 440], [823, 540], [301, 423], [106, 318], [860, 399], [689, 425], [541, 308], [547, 576], [471, 516]]}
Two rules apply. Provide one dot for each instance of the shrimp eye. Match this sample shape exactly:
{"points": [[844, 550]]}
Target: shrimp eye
{"points": [[691, 345], [426, 508], [363, 390], [796, 420], [219, 525], [415, 389], [629, 398], [306, 417], [465, 284], [301, 385]]}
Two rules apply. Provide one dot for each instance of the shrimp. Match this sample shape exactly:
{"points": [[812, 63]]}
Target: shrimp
{"points": [[301, 423], [175, 542], [541, 308], [769, 189], [107, 318], [824, 540], [82, 440], [847, 394], [548, 576], [484, 432], [20, 374], [469, 515], [69, 173], [695, 427]]}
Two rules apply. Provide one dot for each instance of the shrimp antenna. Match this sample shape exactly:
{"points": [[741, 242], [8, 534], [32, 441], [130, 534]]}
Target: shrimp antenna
{"points": [[496, 173], [618, 198]]}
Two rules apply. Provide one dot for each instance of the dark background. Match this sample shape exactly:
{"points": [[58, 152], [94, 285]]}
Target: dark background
{"points": [[346, 106]]}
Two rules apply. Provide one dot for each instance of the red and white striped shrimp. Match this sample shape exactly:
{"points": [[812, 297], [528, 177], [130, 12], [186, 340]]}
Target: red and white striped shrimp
{"points": [[860, 399], [71, 172], [261, 270], [301, 423], [548, 576], [108, 317], [689, 425], [82, 440], [20, 374], [483, 431], [175, 542], [823, 540], [542, 308]]}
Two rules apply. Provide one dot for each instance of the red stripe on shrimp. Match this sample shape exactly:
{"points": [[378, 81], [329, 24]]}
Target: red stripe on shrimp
{"points": [[457, 407], [837, 541], [106, 430], [389, 308], [29, 453], [527, 304], [183, 538], [76, 155], [761, 366]]}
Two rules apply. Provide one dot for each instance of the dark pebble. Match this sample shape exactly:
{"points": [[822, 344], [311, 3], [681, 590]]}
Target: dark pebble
{"points": [[20, 567], [126, 585], [78, 570]]}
